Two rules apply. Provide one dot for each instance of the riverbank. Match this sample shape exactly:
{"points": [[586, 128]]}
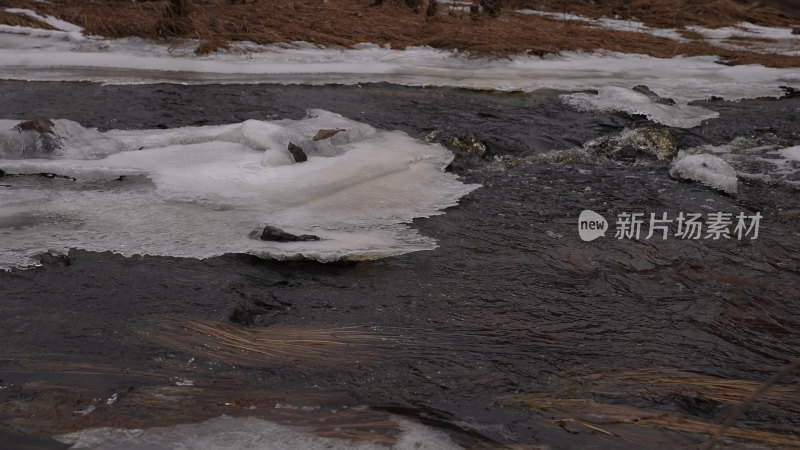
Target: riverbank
{"points": [[664, 29]]}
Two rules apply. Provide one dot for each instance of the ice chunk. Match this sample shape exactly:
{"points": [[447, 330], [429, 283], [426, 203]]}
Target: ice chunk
{"points": [[207, 189], [791, 153], [710, 170], [242, 433]]}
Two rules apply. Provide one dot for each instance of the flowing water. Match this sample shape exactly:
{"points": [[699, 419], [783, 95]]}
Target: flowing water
{"points": [[512, 331]]}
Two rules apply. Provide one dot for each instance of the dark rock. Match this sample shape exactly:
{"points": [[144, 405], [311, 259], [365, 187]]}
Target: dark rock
{"points": [[271, 233], [642, 89], [325, 134], [790, 92], [468, 152], [54, 259], [297, 153]]}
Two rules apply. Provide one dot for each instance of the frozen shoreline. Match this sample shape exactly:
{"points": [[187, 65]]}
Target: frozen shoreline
{"points": [[30, 54]]}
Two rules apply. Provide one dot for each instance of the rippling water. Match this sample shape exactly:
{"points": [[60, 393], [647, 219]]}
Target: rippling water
{"points": [[513, 331]]}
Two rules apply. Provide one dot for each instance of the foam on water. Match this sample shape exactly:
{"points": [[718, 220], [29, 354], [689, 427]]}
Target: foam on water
{"points": [[208, 190], [243, 433]]}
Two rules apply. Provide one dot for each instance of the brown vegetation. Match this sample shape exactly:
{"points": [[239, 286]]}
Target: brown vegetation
{"points": [[21, 20], [217, 23], [673, 13]]}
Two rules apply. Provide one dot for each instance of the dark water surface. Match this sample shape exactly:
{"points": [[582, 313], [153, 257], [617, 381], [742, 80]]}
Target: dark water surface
{"points": [[513, 331]]}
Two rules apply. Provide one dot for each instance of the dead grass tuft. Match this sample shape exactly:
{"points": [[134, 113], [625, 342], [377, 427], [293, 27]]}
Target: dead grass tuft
{"points": [[263, 347]]}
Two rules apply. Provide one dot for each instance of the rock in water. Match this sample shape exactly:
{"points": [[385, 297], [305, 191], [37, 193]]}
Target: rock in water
{"points": [[710, 170], [275, 234], [297, 153], [325, 134], [468, 152], [54, 258], [642, 89], [632, 142]]}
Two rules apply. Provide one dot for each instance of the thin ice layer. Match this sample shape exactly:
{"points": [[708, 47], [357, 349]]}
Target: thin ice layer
{"points": [[205, 191], [243, 433], [632, 102]]}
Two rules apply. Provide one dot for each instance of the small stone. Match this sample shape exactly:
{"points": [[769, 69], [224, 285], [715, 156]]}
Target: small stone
{"points": [[297, 153], [642, 89], [53, 258], [275, 234]]}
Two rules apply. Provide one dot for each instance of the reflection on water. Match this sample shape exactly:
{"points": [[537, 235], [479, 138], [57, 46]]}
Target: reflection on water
{"points": [[512, 332]]}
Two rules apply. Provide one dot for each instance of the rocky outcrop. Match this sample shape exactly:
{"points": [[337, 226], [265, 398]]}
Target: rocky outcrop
{"points": [[53, 258], [297, 153], [634, 142], [468, 152], [275, 234]]}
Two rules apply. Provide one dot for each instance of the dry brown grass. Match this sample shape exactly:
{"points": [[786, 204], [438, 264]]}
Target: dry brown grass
{"points": [[347, 22], [22, 20], [670, 13]]}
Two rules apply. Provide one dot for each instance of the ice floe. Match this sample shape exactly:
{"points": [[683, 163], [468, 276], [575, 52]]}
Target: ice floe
{"points": [[245, 433], [206, 191]]}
